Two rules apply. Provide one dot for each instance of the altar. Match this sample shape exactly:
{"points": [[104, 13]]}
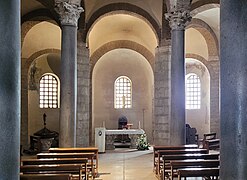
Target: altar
{"points": [[104, 138], [132, 133]]}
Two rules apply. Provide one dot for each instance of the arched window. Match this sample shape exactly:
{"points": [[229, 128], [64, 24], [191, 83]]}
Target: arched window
{"points": [[123, 92], [193, 91], [48, 91]]}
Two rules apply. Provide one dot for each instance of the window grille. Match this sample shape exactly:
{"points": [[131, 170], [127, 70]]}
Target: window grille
{"points": [[193, 92], [48, 91], [123, 92]]}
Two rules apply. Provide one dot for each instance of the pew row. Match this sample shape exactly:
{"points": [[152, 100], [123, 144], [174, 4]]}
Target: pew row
{"points": [[88, 156], [94, 150], [176, 165], [158, 148], [161, 153]]}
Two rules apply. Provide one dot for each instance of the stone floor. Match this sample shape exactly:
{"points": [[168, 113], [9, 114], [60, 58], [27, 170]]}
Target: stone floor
{"points": [[127, 164]]}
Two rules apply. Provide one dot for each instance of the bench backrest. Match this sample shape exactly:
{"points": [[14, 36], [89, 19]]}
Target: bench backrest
{"points": [[54, 161], [55, 169], [73, 150], [65, 155], [45, 177], [176, 152], [175, 165], [198, 172], [209, 136]]}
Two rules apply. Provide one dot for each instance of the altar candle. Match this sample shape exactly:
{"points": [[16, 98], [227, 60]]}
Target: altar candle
{"points": [[139, 125], [103, 123]]}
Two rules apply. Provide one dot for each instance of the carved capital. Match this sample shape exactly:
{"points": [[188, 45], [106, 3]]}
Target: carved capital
{"points": [[69, 13], [178, 19]]}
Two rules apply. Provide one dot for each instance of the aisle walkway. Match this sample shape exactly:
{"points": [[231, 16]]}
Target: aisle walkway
{"points": [[126, 164]]}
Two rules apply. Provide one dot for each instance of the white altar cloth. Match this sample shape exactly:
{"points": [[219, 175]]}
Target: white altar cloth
{"points": [[124, 131]]}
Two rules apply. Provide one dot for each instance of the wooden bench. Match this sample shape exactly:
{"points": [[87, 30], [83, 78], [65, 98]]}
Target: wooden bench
{"points": [[207, 136], [176, 152], [94, 150], [157, 148], [89, 156], [45, 177], [213, 144], [167, 158], [76, 169], [213, 173], [176, 165]]}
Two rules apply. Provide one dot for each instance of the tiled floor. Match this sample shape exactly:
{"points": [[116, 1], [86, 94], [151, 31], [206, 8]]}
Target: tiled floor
{"points": [[126, 164]]}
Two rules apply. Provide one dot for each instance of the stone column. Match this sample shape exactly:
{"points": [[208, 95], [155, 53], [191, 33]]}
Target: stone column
{"points": [[177, 21], [69, 14], [10, 89], [233, 73]]}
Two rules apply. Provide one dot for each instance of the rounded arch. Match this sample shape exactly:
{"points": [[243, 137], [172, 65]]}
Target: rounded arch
{"points": [[208, 34], [122, 44], [27, 25], [204, 5], [125, 8]]}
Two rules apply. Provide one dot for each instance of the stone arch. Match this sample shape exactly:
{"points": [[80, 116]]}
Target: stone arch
{"points": [[208, 34], [122, 44], [213, 68], [32, 19], [25, 65], [125, 8], [204, 5]]}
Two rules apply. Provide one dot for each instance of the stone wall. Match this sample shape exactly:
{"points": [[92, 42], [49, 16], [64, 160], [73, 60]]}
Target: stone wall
{"points": [[161, 123], [83, 82]]}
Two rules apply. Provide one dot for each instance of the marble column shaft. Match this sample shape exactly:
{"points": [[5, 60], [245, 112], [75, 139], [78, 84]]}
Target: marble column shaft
{"points": [[69, 15], [10, 89], [233, 73], [177, 21], [68, 87]]}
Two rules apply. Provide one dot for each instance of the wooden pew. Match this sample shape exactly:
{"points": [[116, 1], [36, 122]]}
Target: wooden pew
{"points": [[167, 158], [212, 144], [89, 156], [94, 150], [176, 152], [198, 172], [207, 136], [176, 165], [157, 148], [45, 177], [76, 169]]}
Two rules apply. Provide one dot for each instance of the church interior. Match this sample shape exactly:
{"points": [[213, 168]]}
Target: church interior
{"points": [[69, 67]]}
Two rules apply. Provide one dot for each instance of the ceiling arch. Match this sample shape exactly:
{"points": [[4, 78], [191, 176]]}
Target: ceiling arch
{"points": [[122, 27]]}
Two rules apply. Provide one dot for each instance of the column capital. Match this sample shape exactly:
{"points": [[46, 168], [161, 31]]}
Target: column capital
{"points": [[178, 19], [69, 13]]}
